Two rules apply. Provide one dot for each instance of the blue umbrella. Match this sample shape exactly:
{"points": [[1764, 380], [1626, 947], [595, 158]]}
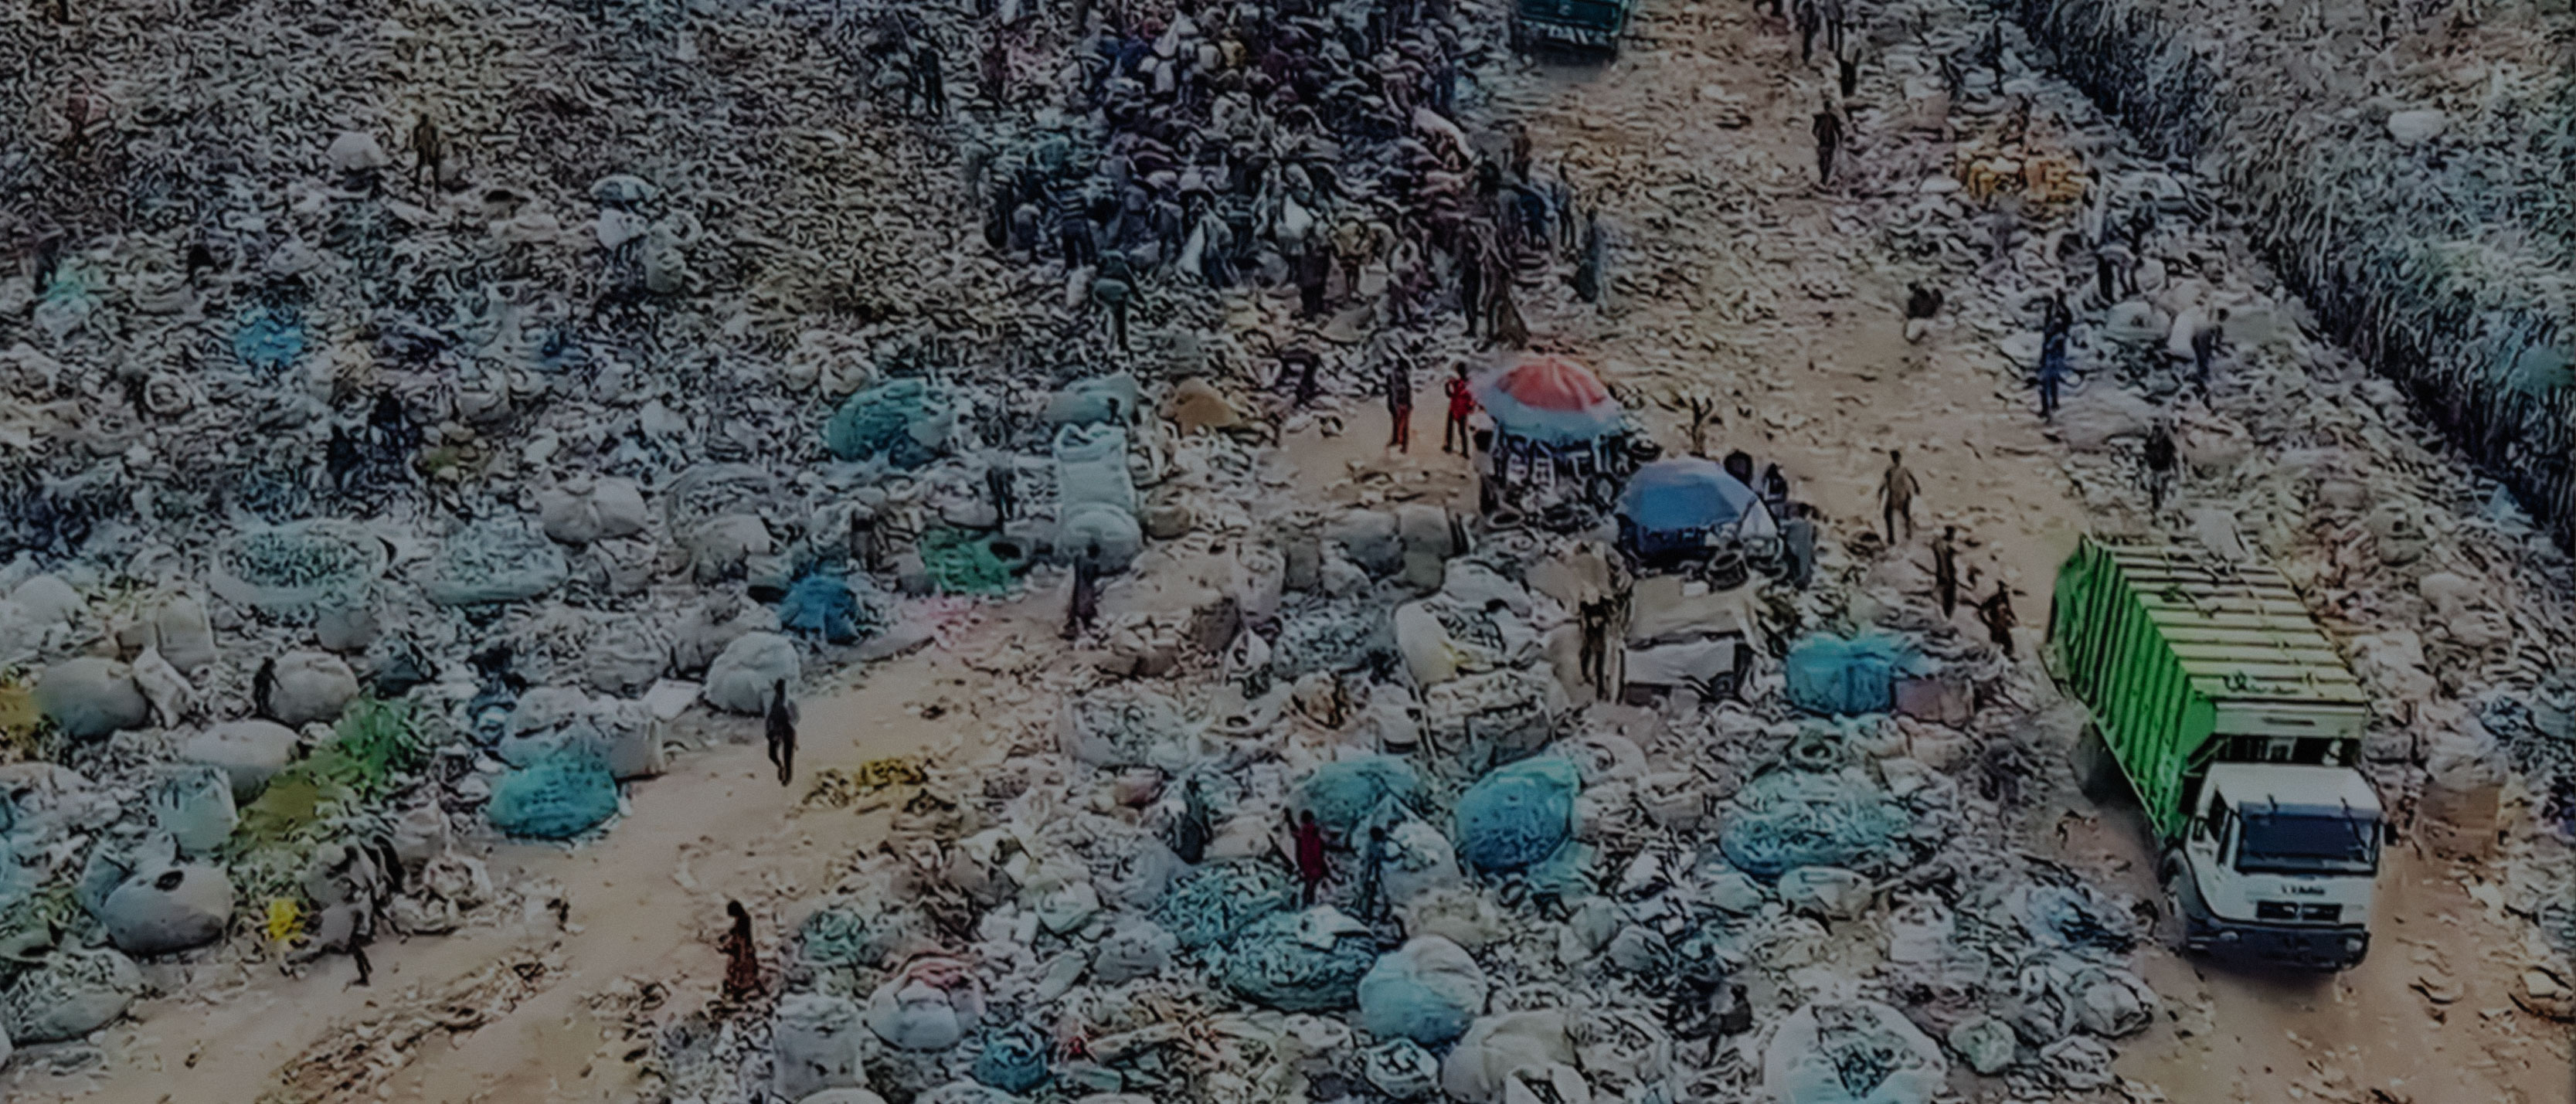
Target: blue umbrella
{"points": [[1683, 494]]}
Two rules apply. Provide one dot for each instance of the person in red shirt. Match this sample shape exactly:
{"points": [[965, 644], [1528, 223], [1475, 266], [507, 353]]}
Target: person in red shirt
{"points": [[1311, 870], [1461, 404]]}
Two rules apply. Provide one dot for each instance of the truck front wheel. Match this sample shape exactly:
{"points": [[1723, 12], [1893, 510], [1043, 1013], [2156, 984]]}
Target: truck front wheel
{"points": [[2188, 929]]}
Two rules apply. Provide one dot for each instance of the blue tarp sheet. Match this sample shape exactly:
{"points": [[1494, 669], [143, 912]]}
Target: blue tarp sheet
{"points": [[1839, 677]]}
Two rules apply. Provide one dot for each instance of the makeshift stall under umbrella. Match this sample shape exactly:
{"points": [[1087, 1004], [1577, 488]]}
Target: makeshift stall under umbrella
{"points": [[1689, 510], [1558, 435]]}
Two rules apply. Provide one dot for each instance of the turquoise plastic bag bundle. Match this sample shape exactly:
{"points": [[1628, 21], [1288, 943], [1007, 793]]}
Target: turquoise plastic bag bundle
{"points": [[269, 339], [1794, 818], [1517, 815], [961, 562], [1309, 961], [904, 422], [839, 936], [1014, 1060], [1343, 795], [823, 605], [1217, 900], [554, 798], [1838, 677]]}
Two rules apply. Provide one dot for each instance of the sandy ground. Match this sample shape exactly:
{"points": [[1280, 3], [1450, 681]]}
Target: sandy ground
{"points": [[1816, 374]]}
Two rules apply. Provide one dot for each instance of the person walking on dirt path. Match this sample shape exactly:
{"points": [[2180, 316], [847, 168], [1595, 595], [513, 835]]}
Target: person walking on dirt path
{"points": [[1306, 363], [1462, 402], [1084, 606], [1314, 268], [1798, 544], [1311, 868], [1774, 490], [1592, 660], [1829, 141], [1399, 405], [1945, 569], [1587, 269], [997, 484], [1471, 283], [1112, 288], [742, 957], [1191, 831], [2115, 265], [263, 684], [2052, 375], [1896, 491], [1922, 304], [781, 725], [1373, 856], [993, 71], [2204, 348], [928, 82], [428, 153], [1506, 329], [1810, 20], [1997, 613], [2160, 465]]}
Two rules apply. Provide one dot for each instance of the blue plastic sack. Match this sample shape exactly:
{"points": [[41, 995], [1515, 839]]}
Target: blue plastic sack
{"points": [[1277, 961], [555, 798], [1517, 815], [822, 605], [1342, 795], [1839, 677], [1217, 900], [1014, 1060], [1794, 818], [903, 421], [269, 339]]}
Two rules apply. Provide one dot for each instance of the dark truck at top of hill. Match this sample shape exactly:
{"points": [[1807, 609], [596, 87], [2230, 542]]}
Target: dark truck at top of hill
{"points": [[1581, 25]]}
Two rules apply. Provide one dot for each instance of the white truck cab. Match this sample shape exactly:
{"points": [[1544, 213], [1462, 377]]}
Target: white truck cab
{"points": [[2277, 864]]}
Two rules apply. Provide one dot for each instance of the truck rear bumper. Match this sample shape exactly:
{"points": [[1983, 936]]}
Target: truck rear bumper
{"points": [[2293, 945]]}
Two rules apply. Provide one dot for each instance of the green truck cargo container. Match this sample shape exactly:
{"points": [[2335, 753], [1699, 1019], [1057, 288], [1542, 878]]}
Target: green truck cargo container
{"points": [[2223, 707]]}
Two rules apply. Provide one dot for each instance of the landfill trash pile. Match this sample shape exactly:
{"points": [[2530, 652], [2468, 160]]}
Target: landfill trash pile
{"points": [[2429, 227], [1536, 918], [384, 475], [318, 402]]}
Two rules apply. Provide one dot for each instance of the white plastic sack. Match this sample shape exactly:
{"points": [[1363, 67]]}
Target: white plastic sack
{"points": [[745, 676], [1499, 1046]]}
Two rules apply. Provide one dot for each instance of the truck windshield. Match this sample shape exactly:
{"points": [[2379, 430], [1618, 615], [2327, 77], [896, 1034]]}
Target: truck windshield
{"points": [[2321, 842]]}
